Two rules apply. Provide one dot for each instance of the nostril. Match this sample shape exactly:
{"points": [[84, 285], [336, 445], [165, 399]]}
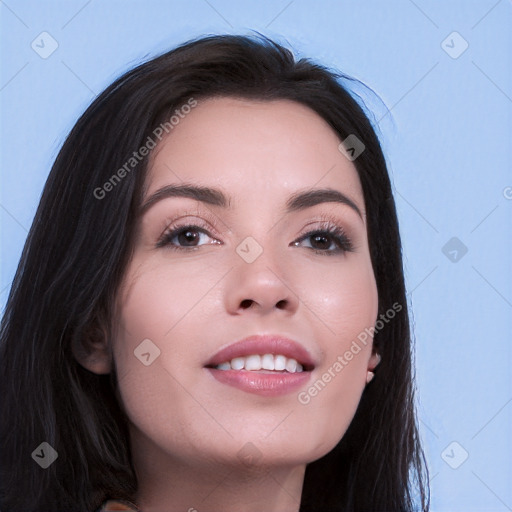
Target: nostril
{"points": [[247, 303], [281, 304]]}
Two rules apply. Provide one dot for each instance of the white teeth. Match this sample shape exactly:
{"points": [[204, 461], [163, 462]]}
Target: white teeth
{"points": [[238, 363], [267, 362], [280, 363], [291, 365], [255, 362]]}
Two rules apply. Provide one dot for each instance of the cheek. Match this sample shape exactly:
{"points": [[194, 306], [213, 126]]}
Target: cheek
{"points": [[345, 303], [159, 295], [154, 328], [343, 296], [152, 310]]}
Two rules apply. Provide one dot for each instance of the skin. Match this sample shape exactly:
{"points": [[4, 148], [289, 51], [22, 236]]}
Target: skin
{"points": [[187, 430]]}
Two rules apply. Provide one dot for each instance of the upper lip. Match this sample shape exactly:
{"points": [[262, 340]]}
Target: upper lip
{"points": [[264, 344]]}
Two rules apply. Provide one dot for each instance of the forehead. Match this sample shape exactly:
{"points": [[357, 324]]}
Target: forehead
{"points": [[254, 150]]}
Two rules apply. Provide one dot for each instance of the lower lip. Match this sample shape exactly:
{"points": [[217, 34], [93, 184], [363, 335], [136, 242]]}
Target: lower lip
{"points": [[259, 383]]}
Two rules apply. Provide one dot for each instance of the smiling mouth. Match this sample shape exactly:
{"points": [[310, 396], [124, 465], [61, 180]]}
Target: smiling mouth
{"points": [[261, 381], [268, 365]]}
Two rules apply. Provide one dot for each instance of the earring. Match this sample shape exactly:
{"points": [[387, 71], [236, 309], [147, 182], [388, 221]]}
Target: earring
{"points": [[369, 374]]}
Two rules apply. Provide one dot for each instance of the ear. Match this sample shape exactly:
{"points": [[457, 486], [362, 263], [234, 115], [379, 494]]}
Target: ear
{"points": [[92, 350], [374, 360]]}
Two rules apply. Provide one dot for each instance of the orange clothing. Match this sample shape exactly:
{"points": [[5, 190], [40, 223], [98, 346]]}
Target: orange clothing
{"points": [[112, 505]]}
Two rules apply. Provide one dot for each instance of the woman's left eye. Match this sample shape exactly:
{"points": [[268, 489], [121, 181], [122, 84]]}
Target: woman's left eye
{"points": [[322, 239]]}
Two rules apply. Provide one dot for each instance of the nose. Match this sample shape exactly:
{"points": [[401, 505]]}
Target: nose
{"points": [[261, 286]]}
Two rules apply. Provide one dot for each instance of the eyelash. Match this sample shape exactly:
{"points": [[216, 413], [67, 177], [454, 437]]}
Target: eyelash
{"points": [[327, 227]]}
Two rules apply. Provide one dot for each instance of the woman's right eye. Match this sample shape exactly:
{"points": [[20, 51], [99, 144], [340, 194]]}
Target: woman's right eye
{"points": [[183, 237]]}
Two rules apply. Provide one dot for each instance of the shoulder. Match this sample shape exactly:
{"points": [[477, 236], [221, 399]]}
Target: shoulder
{"points": [[112, 505]]}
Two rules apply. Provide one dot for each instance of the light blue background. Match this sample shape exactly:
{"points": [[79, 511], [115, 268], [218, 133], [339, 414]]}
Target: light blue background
{"points": [[448, 144]]}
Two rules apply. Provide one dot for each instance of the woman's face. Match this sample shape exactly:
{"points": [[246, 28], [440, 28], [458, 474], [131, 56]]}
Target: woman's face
{"points": [[246, 268]]}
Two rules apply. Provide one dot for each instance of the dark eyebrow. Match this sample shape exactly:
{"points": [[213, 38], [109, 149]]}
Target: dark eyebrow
{"points": [[302, 200], [298, 201], [204, 194]]}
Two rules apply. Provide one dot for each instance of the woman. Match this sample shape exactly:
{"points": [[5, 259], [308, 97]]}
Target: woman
{"points": [[211, 282]]}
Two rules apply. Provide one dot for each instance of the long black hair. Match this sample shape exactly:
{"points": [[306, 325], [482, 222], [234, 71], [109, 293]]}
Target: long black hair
{"points": [[80, 242]]}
